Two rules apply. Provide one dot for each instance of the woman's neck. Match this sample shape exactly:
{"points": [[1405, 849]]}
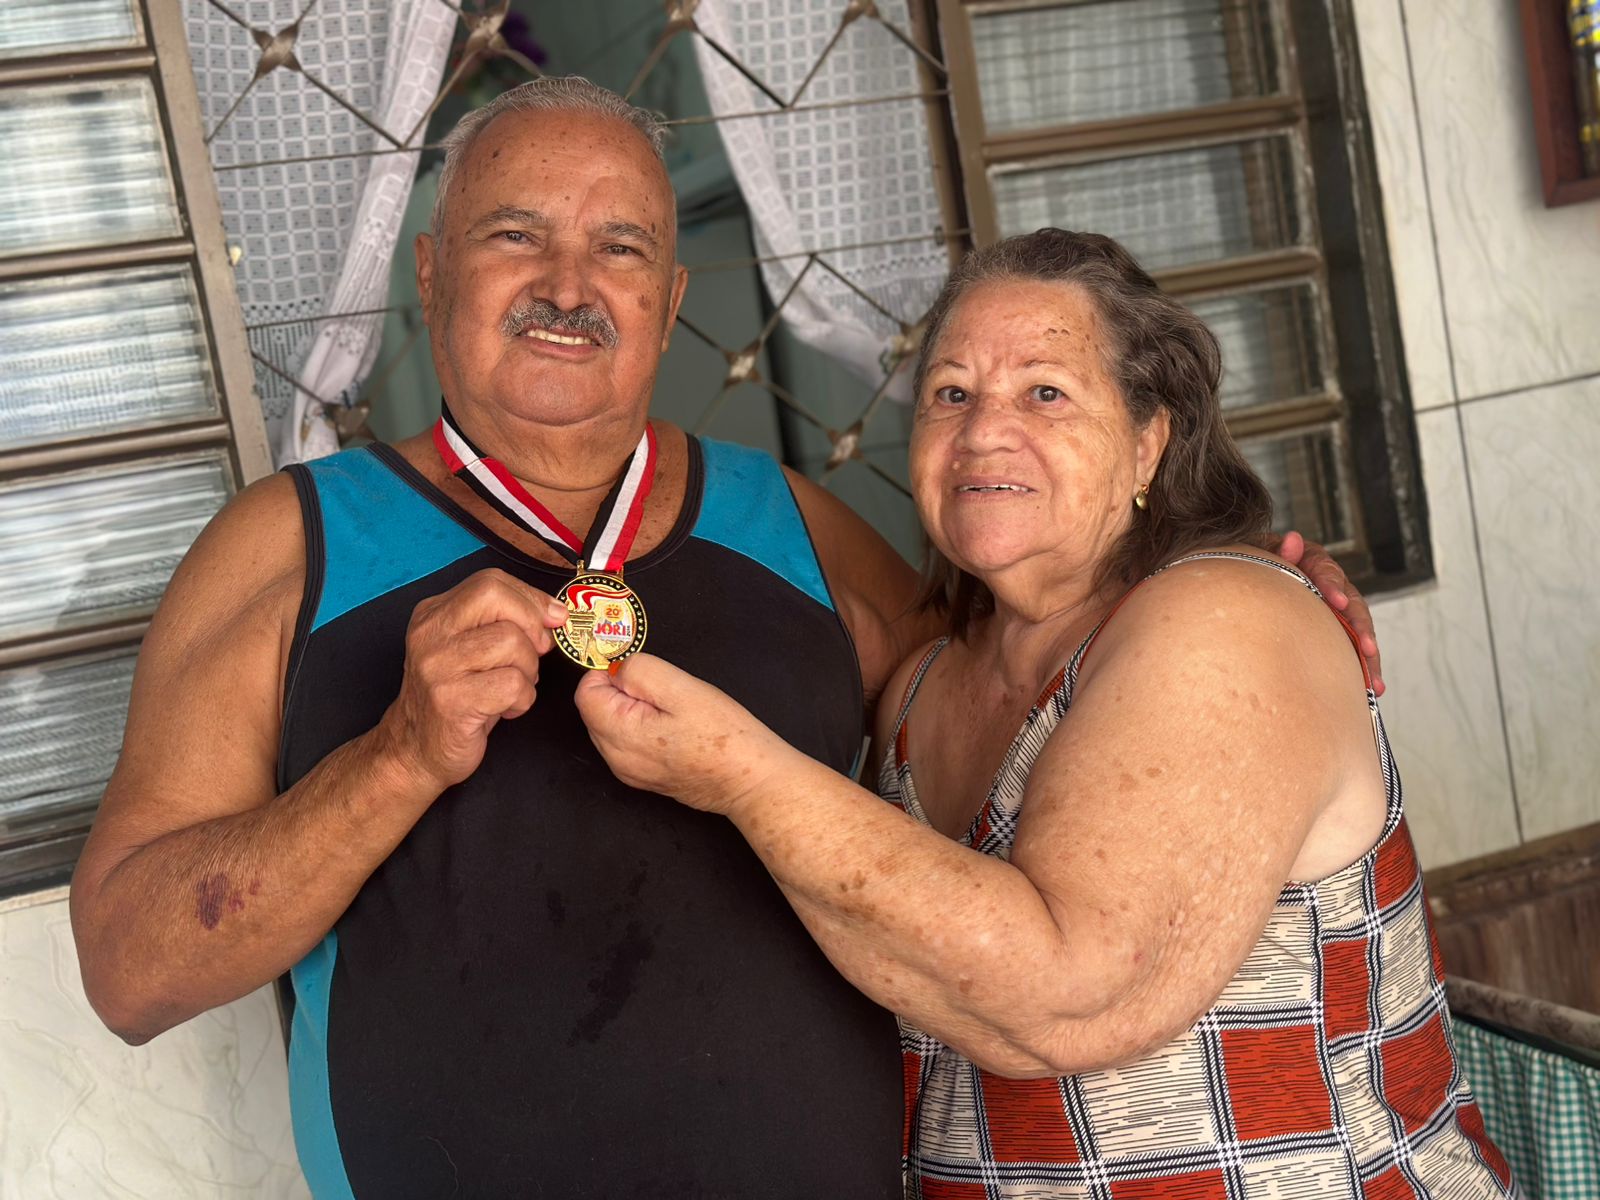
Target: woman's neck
{"points": [[1036, 624]]}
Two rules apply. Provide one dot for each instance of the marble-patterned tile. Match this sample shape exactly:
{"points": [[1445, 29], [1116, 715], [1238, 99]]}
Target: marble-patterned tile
{"points": [[1391, 108], [1519, 279], [202, 1111], [1441, 708], [1537, 494]]}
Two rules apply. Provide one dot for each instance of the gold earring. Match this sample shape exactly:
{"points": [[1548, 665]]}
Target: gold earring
{"points": [[1141, 500]]}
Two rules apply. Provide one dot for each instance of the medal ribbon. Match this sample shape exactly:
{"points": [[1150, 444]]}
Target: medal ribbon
{"points": [[615, 525]]}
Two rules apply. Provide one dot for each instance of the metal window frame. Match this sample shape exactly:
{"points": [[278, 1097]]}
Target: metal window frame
{"points": [[237, 428], [1347, 266], [236, 431]]}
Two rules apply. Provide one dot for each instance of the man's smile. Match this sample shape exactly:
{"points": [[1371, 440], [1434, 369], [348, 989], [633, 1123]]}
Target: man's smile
{"points": [[547, 335]]}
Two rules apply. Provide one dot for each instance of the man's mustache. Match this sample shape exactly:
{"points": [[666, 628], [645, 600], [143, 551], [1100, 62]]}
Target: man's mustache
{"points": [[583, 321]]}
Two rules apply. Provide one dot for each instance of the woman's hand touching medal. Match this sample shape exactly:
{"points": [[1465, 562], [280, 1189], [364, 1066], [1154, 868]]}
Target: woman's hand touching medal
{"points": [[663, 730]]}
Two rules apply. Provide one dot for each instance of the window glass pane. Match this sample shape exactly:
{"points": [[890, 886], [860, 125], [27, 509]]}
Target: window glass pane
{"points": [[1095, 62], [1271, 344], [91, 546], [30, 27], [100, 352], [63, 723], [1301, 470], [1170, 209], [85, 166]]}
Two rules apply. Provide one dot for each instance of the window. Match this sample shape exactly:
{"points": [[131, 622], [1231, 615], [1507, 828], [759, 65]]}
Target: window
{"points": [[127, 416], [1224, 143]]}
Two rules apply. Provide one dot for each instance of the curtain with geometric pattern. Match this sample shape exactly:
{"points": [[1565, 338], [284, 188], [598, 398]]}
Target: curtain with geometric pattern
{"points": [[296, 98]]}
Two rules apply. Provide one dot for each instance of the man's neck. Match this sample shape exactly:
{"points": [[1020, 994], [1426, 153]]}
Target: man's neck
{"points": [[569, 468], [573, 507]]}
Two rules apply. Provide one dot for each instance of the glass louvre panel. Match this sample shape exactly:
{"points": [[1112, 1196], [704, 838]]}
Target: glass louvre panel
{"points": [[1170, 209], [32, 27], [99, 352], [1301, 470], [63, 723], [85, 166], [93, 546], [1094, 62], [1271, 342]]}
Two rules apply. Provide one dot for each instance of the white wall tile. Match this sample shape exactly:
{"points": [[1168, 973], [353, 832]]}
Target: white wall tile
{"points": [[1520, 280], [1441, 708], [1536, 481], [1391, 107], [202, 1111]]}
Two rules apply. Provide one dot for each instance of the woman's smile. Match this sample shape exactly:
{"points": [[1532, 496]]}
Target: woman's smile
{"points": [[992, 489]]}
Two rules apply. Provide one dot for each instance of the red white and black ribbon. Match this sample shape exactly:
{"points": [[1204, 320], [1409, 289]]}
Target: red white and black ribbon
{"points": [[615, 524]]}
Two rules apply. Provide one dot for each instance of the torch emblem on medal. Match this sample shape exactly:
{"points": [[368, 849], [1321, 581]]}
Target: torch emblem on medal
{"points": [[605, 620]]}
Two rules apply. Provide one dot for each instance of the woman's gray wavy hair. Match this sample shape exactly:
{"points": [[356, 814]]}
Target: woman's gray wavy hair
{"points": [[565, 93]]}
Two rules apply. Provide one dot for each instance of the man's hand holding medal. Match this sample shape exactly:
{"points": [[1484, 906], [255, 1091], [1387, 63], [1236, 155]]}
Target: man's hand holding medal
{"points": [[472, 660]]}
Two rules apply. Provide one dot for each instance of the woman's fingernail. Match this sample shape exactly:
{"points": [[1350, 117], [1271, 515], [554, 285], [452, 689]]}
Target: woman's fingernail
{"points": [[613, 667]]}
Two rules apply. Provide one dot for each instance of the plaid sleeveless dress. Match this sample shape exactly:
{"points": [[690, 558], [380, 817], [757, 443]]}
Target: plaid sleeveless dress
{"points": [[1325, 1069]]}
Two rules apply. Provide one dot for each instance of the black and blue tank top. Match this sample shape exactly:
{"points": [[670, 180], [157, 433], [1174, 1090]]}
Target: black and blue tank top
{"points": [[556, 985]]}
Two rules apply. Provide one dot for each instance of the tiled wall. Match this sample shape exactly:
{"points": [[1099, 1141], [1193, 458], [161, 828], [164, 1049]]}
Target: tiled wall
{"points": [[1494, 669], [201, 1113]]}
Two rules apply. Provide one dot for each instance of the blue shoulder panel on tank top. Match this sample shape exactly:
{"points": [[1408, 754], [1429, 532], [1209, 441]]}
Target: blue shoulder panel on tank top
{"points": [[749, 509], [379, 532]]}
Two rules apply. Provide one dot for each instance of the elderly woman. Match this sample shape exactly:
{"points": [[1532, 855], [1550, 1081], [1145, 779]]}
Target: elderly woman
{"points": [[1142, 893]]}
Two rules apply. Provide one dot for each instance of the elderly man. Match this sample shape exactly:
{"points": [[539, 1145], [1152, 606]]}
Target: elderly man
{"points": [[514, 976], [350, 752]]}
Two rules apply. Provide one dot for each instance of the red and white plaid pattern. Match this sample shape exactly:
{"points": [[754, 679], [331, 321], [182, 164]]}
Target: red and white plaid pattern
{"points": [[1325, 1069]]}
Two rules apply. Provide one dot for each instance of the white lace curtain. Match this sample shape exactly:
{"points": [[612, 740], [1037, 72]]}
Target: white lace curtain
{"points": [[317, 235], [839, 176]]}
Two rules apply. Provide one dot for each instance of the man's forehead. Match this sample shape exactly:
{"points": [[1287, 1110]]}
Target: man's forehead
{"points": [[552, 150]]}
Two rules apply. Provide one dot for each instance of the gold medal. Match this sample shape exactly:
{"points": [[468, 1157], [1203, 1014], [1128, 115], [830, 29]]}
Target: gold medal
{"points": [[605, 620]]}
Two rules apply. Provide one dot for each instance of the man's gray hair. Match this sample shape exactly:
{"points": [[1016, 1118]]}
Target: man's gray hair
{"points": [[566, 93]]}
